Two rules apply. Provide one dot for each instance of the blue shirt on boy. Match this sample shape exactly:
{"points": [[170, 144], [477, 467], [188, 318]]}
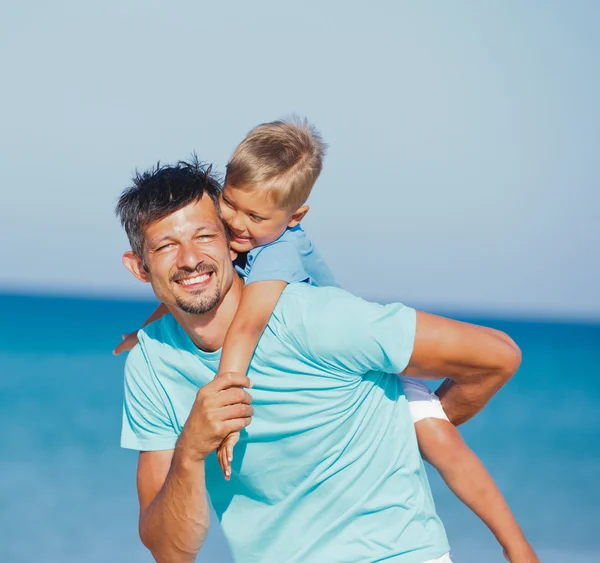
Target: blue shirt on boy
{"points": [[291, 258]]}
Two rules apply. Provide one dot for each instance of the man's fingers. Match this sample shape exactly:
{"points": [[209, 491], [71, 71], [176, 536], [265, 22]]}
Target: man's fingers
{"points": [[231, 397], [236, 424], [231, 412], [231, 379]]}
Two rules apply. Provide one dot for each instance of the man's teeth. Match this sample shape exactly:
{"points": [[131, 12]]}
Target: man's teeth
{"points": [[197, 279]]}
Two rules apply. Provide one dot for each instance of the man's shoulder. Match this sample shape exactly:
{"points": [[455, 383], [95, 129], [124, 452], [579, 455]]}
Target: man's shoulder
{"points": [[296, 293], [160, 330], [160, 337], [314, 301]]}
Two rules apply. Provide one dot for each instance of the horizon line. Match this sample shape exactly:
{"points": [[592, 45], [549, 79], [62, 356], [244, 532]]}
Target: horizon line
{"points": [[466, 311]]}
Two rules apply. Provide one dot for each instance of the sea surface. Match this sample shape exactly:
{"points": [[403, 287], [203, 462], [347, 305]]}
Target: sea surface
{"points": [[67, 491]]}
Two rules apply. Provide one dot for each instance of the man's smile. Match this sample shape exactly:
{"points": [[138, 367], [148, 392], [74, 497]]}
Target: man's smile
{"points": [[195, 281]]}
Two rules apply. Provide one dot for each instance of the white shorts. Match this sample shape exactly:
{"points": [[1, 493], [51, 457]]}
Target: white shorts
{"points": [[422, 403], [442, 559]]}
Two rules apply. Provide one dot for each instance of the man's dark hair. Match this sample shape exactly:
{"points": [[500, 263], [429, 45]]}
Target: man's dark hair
{"points": [[160, 191]]}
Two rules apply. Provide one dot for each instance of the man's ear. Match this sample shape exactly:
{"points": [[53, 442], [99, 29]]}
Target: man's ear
{"points": [[134, 264], [298, 215]]}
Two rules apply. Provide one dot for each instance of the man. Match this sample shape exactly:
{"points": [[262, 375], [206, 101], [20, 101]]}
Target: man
{"points": [[329, 469]]}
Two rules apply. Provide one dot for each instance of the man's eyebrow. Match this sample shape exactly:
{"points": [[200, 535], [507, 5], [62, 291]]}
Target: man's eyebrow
{"points": [[211, 227], [157, 240], [207, 227]]}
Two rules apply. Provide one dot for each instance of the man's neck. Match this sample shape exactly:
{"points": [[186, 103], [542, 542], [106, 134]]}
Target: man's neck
{"points": [[208, 331]]}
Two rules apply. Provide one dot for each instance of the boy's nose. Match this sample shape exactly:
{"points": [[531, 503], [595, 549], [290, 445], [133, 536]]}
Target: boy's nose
{"points": [[237, 223]]}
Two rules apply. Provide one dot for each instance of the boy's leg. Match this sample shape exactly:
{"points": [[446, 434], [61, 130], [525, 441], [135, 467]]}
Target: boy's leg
{"points": [[443, 559], [443, 447], [422, 402]]}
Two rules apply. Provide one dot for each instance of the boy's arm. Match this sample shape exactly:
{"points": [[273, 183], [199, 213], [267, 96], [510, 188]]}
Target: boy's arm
{"points": [[131, 339], [442, 446], [251, 318], [159, 312], [254, 311]]}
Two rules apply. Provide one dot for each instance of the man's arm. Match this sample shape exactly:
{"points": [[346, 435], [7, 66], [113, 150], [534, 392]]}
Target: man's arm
{"points": [[171, 484], [356, 337], [476, 360], [173, 505]]}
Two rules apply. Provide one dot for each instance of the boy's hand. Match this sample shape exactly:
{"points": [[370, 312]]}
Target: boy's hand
{"points": [[129, 341], [225, 450], [225, 453], [524, 554]]}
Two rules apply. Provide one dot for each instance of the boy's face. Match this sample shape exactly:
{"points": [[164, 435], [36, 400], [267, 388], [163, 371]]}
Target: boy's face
{"points": [[253, 219]]}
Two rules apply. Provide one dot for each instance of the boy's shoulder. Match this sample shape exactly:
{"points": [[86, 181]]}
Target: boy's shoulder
{"points": [[282, 259], [292, 237]]}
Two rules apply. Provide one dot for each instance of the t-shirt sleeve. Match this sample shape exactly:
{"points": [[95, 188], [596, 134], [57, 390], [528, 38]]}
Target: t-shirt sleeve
{"points": [[352, 335], [146, 424], [277, 261]]}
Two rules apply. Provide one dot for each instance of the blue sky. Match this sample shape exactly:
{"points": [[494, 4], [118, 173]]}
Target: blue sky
{"points": [[464, 138]]}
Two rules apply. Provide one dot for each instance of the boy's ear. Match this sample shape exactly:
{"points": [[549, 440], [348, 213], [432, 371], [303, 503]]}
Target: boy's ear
{"points": [[134, 264], [298, 215]]}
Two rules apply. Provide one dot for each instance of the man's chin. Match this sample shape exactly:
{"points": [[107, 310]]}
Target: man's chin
{"points": [[198, 306]]}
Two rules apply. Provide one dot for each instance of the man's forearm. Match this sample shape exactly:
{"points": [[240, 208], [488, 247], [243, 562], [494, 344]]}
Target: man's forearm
{"points": [[174, 526], [462, 401], [464, 396], [476, 361]]}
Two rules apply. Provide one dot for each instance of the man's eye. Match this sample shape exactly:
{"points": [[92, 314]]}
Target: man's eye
{"points": [[164, 247], [205, 238]]}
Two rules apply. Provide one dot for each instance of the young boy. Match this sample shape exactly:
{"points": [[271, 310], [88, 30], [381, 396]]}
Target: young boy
{"points": [[269, 178]]}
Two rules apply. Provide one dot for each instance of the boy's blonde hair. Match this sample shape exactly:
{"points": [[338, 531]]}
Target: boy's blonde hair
{"points": [[283, 158]]}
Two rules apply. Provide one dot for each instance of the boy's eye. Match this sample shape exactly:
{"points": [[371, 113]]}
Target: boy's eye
{"points": [[256, 218]]}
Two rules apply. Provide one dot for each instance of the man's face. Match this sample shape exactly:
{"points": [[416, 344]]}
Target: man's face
{"points": [[188, 259]]}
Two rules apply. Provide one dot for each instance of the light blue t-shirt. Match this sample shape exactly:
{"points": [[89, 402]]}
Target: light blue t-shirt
{"points": [[329, 470], [291, 258]]}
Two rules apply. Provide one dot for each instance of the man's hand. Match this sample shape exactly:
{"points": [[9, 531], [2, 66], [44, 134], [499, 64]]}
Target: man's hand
{"points": [[222, 407], [174, 514]]}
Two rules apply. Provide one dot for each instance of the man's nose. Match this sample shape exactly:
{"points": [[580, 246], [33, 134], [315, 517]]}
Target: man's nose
{"points": [[189, 256]]}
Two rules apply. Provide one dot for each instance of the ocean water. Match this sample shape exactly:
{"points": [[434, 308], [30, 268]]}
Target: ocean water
{"points": [[67, 491]]}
